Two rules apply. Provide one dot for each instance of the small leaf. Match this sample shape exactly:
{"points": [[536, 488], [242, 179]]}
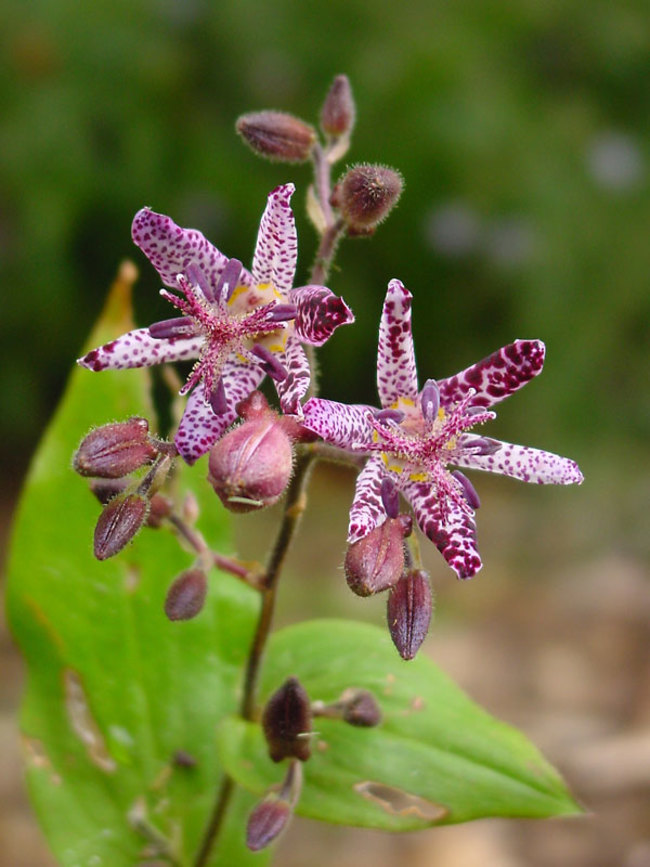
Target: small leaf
{"points": [[436, 758]]}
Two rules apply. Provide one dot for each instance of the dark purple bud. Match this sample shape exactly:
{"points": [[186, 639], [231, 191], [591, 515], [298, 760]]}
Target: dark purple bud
{"points": [[115, 450], [361, 709], [179, 326], [271, 364], [160, 507], [409, 612], [395, 415], [183, 759], [277, 136], [186, 596], [430, 400], [283, 312], [337, 114], [367, 194], [119, 523], [106, 489], [467, 489], [229, 280], [390, 497], [376, 562], [217, 398], [196, 276], [267, 821], [250, 466], [286, 722]]}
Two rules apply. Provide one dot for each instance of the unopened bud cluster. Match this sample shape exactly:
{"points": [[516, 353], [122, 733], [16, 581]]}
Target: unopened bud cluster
{"points": [[111, 456]]}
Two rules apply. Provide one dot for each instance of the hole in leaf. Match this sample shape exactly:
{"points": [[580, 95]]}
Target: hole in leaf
{"points": [[397, 802], [83, 723]]}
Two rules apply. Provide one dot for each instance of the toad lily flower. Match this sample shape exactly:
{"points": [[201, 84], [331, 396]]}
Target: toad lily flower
{"points": [[418, 434], [239, 325]]}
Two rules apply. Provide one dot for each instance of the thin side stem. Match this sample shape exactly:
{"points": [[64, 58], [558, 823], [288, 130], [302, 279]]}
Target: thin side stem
{"points": [[216, 820]]}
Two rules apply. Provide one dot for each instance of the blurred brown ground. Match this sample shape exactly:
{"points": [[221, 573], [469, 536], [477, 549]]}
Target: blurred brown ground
{"points": [[552, 636]]}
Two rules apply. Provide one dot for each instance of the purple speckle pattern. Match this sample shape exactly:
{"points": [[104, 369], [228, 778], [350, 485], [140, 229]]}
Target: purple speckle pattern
{"points": [[451, 529], [172, 250], [497, 376], [341, 424], [200, 427], [139, 349], [416, 450], [276, 251], [396, 371], [292, 389], [320, 312], [527, 465], [367, 510]]}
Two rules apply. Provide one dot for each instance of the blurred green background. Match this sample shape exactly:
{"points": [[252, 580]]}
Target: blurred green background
{"points": [[520, 127]]}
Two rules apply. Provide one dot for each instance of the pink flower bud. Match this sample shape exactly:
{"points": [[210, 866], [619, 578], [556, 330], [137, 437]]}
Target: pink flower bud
{"points": [[106, 489], [277, 136], [250, 466], [337, 114], [376, 562], [365, 196], [119, 523], [409, 612], [287, 722], [186, 596], [160, 507], [115, 450]]}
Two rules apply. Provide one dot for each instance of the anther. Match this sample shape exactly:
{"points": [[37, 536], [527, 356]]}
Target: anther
{"points": [[271, 365], [228, 280], [430, 400]]}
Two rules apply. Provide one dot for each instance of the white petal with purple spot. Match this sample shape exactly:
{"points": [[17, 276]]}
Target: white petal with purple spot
{"points": [[396, 372], [139, 349], [341, 424], [367, 511], [526, 464], [496, 377], [320, 312], [294, 387], [276, 253]]}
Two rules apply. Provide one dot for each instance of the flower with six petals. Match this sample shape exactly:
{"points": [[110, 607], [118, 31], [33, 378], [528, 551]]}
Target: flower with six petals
{"points": [[419, 433], [238, 325]]}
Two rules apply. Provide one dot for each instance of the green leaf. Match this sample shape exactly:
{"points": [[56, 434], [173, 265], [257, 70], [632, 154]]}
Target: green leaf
{"points": [[436, 758], [114, 689]]}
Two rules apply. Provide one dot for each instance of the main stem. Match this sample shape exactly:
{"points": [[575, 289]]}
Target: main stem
{"points": [[293, 509]]}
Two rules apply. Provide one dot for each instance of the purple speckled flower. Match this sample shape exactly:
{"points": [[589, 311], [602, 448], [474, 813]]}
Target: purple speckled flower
{"points": [[419, 433], [239, 325]]}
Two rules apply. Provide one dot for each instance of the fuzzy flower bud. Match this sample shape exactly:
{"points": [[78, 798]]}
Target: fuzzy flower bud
{"points": [[409, 612], [115, 450], [365, 195], [287, 722], [250, 466], [186, 596], [357, 707], [271, 816], [338, 112], [376, 562], [118, 524], [277, 136]]}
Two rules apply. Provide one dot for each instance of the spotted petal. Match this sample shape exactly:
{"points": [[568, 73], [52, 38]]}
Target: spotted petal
{"points": [[139, 349], [277, 243], [526, 464], [292, 389], [497, 376], [340, 424], [396, 372], [200, 427], [320, 312], [453, 533], [367, 511], [172, 250]]}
